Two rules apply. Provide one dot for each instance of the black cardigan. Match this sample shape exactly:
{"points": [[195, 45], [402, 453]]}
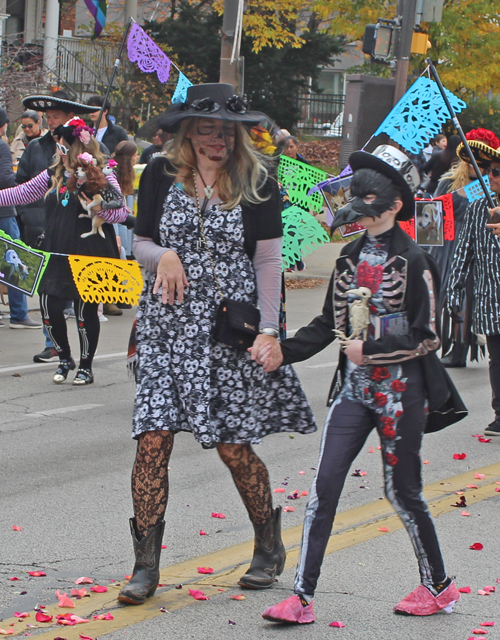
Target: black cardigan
{"points": [[260, 221], [406, 277]]}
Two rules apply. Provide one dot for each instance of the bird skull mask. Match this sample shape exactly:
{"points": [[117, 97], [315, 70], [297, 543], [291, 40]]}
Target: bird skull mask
{"points": [[367, 182]]}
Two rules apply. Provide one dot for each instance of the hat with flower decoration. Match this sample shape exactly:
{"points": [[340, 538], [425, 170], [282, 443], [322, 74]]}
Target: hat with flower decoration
{"points": [[217, 101], [74, 128], [485, 147]]}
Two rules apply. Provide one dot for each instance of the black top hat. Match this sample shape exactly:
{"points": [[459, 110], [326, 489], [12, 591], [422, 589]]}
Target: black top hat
{"points": [[58, 100], [217, 101], [396, 166]]}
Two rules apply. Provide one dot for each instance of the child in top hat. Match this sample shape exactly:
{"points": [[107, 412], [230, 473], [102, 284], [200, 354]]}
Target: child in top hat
{"points": [[391, 380]]}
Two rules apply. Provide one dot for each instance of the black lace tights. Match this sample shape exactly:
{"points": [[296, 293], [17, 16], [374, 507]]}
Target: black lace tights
{"points": [[150, 479]]}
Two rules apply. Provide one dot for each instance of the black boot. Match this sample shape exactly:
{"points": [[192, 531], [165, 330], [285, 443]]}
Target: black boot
{"points": [[146, 574], [269, 554], [457, 357]]}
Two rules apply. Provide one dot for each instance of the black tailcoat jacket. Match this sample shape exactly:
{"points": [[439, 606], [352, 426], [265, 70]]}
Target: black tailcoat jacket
{"points": [[410, 284]]}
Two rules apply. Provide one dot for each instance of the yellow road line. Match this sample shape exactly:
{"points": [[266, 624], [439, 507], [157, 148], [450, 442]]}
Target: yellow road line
{"points": [[352, 527]]}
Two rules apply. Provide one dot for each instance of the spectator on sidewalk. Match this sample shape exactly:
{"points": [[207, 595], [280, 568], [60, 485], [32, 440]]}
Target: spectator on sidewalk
{"points": [[30, 129], [289, 146], [159, 139], [18, 305], [108, 133]]}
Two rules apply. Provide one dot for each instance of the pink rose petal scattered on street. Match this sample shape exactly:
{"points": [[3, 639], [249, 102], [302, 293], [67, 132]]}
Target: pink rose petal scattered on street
{"points": [[37, 574], [279, 490], [426, 462], [99, 589], [479, 476], [288, 508], [85, 637], [304, 493], [384, 529], [339, 625], [464, 589], [16, 528], [203, 533], [490, 589], [459, 456], [220, 515], [472, 486], [371, 450], [482, 592], [480, 632], [198, 595], [465, 513], [104, 616], [13, 579], [78, 593], [84, 581], [483, 439], [64, 601], [302, 473], [477, 546], [497, 489], [17, 614], [43, 617], [205, 570], [486, 624], [3, 632], [240, 596], [164, 546]]}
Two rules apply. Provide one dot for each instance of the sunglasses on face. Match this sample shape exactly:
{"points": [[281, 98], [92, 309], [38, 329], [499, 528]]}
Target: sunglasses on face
{"points": [[62, 148], [208, 130], [27, 126], [495, 172]]}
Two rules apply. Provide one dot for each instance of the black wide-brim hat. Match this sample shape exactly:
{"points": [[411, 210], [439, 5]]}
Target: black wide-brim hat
{"points": [[482, 152], [396, 166], [217, 101], [42, 103]]}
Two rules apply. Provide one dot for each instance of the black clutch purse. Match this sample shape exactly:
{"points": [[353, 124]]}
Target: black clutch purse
{"points": [[236, 324]]}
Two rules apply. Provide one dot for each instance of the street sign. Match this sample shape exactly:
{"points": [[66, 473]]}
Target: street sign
{"points": [[432, 10]]}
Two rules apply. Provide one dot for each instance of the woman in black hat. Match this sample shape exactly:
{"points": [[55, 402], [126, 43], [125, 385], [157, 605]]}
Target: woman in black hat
{"points": [[382, 304], [65, 226], [208, 227]]}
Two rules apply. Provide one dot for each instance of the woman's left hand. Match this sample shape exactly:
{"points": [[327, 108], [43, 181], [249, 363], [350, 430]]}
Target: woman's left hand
{"points": [[354, 350], [495, 228], [266, 350]]}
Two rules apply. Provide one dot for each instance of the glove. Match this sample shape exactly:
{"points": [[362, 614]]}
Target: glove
{"points": [[455, 314]]}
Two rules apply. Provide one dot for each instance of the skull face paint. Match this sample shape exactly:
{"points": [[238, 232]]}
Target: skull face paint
{"points": [[364, 183], [212, 138]]}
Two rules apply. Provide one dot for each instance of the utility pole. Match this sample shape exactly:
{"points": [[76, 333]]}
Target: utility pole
{"points": [[230, 72], [51, 39], [130, 10], [406, 14]]}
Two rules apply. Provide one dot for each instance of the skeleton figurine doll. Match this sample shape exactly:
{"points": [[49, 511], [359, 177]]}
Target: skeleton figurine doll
{"points": [[391, 381]]}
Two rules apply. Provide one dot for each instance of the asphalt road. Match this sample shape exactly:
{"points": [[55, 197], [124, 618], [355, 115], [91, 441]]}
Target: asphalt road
{"points": [[65, 461]]}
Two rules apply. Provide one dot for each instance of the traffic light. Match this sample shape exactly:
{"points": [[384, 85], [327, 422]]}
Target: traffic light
{"points": [[378, 40], [420, 43]]}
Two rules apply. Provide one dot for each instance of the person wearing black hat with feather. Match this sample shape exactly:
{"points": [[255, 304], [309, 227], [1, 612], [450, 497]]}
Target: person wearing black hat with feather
{"points": [[209, 227], [392, 382]]}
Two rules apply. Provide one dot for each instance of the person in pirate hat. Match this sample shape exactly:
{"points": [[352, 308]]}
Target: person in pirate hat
{"points": [[37, 157], [478, 252], [388, 376], [457, 338], [208, 227]]}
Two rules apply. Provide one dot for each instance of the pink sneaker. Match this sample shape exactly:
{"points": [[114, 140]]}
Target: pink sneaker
{"points": [[421, 602], [291, 611]]}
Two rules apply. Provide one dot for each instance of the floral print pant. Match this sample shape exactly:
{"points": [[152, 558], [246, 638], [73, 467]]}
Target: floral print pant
{"points": [[392, 400]]}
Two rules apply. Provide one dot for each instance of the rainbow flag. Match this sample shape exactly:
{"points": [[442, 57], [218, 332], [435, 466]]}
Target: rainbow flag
{"points": [[98, 9]]}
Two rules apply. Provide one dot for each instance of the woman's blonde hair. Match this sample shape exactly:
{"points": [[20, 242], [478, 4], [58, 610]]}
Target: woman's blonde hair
{"points": [[74, 151], [458, 174], [241, 177]]}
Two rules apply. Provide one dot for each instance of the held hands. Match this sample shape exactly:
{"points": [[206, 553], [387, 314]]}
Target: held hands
{"points": [[170, 276], [266, 351], [353, 350]]}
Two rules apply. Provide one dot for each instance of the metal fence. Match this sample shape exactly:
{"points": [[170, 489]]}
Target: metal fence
{"points": [[321, 114]]}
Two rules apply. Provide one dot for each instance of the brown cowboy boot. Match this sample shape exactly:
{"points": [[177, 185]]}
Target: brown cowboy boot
{"points": [[146, 574], [269, 554]]}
